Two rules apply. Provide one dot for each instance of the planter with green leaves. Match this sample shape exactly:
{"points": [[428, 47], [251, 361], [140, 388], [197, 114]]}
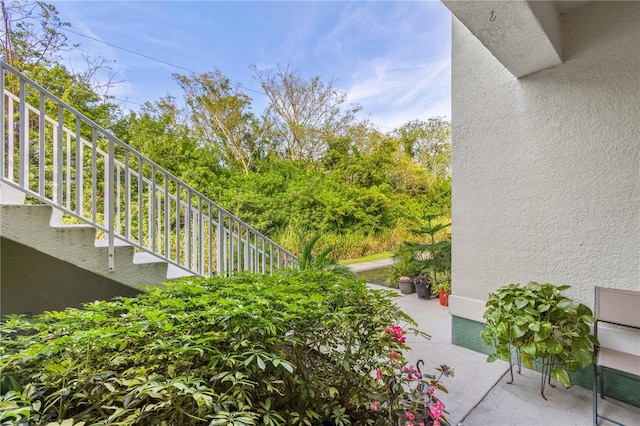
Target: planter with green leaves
{"points": [[433, 258], [538, 324], [442, 290], [402, 272]]}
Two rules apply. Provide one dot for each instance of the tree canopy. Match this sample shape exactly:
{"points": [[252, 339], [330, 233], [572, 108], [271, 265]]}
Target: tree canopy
{"points": [[306, 165]]}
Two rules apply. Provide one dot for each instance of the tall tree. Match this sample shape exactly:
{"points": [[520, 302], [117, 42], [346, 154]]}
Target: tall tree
{"points": [[303, 114], [161, 132], [32, 42], [222, 117], [428, 143], [31, 33]]}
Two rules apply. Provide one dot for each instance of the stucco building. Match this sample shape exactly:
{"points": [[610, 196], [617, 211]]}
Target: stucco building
{"points": [[546, 150]]}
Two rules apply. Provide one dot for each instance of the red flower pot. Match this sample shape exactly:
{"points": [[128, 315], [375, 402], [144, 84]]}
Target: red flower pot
{"points": [[444, 298]]}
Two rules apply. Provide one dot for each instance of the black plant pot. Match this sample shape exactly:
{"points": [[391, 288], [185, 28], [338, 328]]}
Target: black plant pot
{"points": [[423, 288]]}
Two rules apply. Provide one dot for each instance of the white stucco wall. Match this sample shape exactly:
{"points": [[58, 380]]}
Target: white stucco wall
{"points": [[546, 169]]}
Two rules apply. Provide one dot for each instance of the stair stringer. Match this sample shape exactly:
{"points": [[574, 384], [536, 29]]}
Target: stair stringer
{"points": [[31, 225]]}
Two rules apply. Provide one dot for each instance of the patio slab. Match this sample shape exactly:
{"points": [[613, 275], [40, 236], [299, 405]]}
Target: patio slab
{"points": [[479, 393]]}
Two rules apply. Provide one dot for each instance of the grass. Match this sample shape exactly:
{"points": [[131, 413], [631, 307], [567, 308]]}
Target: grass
{"points": [[371, 257], [375, 276]]}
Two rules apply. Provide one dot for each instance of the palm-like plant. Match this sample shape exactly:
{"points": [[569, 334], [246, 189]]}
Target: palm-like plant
{"points": [[308, 261], [436, 255]]}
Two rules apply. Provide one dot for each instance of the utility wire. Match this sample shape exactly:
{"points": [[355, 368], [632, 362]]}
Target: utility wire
{"points": [[129, 50], [154, 59], [238, 85], [105, 97]]}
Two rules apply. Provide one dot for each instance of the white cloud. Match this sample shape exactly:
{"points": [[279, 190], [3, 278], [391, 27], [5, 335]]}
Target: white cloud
{"points": [[394, 94]]}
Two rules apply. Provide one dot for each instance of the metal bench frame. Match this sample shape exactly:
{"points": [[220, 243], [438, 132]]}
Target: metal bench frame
{"points": [[620, 308]]}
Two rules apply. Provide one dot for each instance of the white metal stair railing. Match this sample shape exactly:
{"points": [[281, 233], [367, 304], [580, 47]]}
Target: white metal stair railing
{"points": [[73, 164]]}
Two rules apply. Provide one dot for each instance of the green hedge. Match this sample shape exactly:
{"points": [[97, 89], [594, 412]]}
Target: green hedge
{"points": [[294, 348]]}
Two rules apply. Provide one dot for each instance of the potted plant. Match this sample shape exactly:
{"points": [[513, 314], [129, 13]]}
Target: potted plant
{"points": [[442, 290], [538, 324], [423, 286], [403, 270], [433, 258]]}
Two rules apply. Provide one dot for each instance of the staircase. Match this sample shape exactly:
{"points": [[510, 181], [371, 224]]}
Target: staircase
{"points": [[75, 198]]}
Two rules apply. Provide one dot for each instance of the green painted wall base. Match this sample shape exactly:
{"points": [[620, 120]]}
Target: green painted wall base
{"points": [[617, 385]]}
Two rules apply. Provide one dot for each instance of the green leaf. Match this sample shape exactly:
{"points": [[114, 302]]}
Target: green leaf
{"points": [[544, 307], [584, 310], [561, 376], [526, 359], [554, 348], [584, 357], [287, 366], [521, 302], [529, 349], [518, 331]]}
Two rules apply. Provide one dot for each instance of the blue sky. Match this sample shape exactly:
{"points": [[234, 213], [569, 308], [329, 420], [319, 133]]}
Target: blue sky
{"points": [[391, 57]]}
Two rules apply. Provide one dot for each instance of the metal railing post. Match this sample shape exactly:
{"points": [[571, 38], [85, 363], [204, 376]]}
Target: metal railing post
{"points": [[23, 138], [57, 158], [41, 147], [3, 122], [79, 175], [109, 204], [220, 245]]}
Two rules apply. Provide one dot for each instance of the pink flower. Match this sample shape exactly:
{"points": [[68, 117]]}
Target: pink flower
{"points": [[409, 424], [398, 332], [436, 422], [410, 416], [410, 376], [379, 374], [374, 406], [394, 355], [437, 410], [432, 390], [421, 424]]}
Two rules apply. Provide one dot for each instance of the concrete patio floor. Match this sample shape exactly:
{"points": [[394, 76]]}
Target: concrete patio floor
{"points": [[479, 394]]}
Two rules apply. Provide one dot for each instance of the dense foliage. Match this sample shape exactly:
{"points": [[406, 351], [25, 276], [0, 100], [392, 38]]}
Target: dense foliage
{"points": [[538, 323], [307, 164], [295, 348]]}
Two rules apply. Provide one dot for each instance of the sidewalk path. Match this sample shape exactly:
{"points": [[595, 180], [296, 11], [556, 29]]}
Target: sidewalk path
{"points": [[367, 266]]}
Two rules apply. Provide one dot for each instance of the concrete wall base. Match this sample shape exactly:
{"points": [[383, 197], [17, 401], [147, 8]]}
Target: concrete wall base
{"points": [[32, 282]]}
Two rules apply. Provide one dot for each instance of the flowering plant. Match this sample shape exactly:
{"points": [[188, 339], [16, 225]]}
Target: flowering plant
{"points": [[407, 396]]}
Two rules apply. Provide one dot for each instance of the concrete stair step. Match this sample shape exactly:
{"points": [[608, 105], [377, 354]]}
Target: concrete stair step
{"points": [[31, 225], [173, 272], [11, 195]]}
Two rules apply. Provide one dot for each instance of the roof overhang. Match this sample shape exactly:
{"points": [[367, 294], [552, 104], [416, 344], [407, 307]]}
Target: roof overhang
{"points": [[525, 36]]}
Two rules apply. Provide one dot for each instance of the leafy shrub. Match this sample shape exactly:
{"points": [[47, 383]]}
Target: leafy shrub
{"points": [[538, 322], [293, 348]]}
